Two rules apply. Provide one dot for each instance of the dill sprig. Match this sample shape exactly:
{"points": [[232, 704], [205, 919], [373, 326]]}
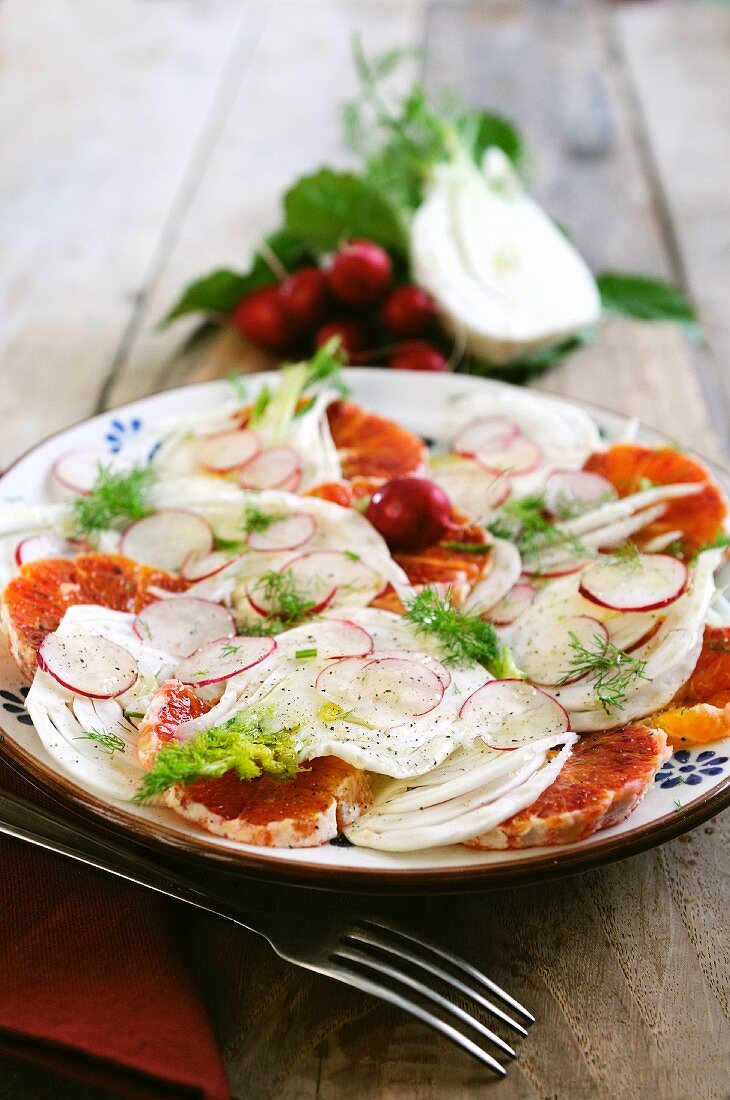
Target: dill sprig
{"points": [[244, 744], [465, 639], [609, 669], [524, 521], [288, 603], [117, 497], [627, 554], [256, 519], [107, 742]]}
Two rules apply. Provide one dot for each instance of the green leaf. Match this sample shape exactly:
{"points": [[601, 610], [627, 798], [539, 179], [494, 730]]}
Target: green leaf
{"points": [[647, 299], [328, 206], [482, 129], [222, 290]]}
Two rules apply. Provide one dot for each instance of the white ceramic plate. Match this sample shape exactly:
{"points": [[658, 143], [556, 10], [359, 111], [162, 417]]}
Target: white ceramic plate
{"points": [[693, 786]]}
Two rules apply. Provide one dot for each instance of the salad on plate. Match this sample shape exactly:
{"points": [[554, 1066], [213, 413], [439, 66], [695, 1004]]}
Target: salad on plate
{"points": [[297, 622]]}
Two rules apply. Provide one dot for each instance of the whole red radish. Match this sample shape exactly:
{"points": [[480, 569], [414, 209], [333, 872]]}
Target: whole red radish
{"points": [[417, 355], [304, 297], [261, 319], [361, 272], [410, 513], [353, 336], [408, 310]]}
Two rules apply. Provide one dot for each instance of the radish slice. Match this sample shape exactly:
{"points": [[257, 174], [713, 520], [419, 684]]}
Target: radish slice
{"points": [[557, 561], [37, 547], [288, 533], [571, 492], [228, 451], [272, 468], [184, 624], [548, 660], [381, 690], [92, 666], [224, 658], [486, 433], [331, 638], [78, 470], [519, 456], [643, 584], [316, 591], [426, 659], [322, 576], [508, 714], [291, 485], [474, 490], [167, 538], [511, 606], [199, 567]]}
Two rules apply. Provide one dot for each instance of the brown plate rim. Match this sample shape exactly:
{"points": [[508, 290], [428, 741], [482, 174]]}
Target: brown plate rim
{"points": [[524, 871]]}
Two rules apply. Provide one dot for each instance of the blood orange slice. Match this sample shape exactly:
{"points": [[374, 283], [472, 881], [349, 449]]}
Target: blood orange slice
{"points": [[35, 601], [602, 782], [309, 809], [630, 467], [372, 446], [700, 711]]}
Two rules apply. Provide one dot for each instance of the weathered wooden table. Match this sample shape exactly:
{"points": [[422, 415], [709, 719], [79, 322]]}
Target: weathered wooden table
{"points": [[144, 141]]}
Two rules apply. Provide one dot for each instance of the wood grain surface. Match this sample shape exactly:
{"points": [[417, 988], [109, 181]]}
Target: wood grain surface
{"points": [[151, 144]]}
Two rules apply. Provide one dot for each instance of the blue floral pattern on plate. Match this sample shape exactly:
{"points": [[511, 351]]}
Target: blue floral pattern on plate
{"points": [[119, 431], [685, 769], [14, 703]]}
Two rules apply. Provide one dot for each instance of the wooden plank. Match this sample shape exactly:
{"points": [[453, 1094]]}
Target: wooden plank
{"points": [[96, 141], [677, 60], [284, 120]]}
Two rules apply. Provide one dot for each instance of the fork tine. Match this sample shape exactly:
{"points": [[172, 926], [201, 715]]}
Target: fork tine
{"points": [[367, 960], [363, 936], [455, 961], [385, 993]]}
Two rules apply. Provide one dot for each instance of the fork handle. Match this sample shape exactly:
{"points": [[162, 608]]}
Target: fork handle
{"points": [[22, 820]]}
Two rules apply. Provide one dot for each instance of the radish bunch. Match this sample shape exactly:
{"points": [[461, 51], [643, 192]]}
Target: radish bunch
{"points": [[352, 296]]}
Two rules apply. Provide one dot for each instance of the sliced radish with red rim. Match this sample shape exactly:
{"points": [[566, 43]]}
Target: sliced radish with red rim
{"points": [[181, 625], [198, 567], [38, 547], [508, 714], [167, 538], [88, 665], [511, 606], [228, 451], [555, 561], [572, 492], [425, 659], [79, 470], [486, 433], [331, 638], [314, 591], [222, 659], [519, 456], [272, 468], [381, 690], [550, 659], [644, 583], [322, 576], [284, 533]]}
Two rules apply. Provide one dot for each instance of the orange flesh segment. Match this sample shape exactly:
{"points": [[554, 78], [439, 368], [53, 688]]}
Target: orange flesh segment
{"points": [[700, 711], [372, 446], [629, 466]]}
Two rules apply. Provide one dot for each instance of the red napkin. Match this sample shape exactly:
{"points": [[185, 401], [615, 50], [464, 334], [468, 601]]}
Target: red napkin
{"points": [[92, 981]]}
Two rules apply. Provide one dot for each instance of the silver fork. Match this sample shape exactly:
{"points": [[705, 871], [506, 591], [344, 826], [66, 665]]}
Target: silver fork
{"points": [[368, 953]]}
